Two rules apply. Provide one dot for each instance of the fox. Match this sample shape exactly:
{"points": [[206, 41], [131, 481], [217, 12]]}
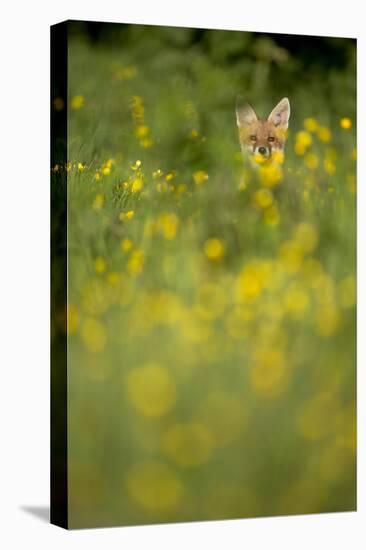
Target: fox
{"points": [[259, 138]]}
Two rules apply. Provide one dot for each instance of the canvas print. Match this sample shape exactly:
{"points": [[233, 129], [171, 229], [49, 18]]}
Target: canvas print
{"points": [[203, 260]]}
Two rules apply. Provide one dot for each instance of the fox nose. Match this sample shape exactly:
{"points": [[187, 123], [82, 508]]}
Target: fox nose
{"points": [[262, 150]]}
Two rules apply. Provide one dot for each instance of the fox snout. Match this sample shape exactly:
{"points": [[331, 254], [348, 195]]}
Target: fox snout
{"points": [[262, 137]]}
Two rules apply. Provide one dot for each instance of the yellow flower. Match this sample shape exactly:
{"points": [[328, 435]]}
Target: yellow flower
{"points": [[214, 249], [263, 198], [81, 167], [100, 264], [126, 215], [77, 101], [345, 123], [310, 124], [329, 166], [304, 138], [106, 170], [126, 245], [168, 224], [311, 161], [136, 262], [270, 174], [137, 185], [98, 202], [200, 177], [146, 143], [151, 389], [157, 174], [137, 165], [324, 134], [142, 131]]}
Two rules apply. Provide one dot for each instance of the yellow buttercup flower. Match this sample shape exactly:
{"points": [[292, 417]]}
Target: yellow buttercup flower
{"points": [[100, 264], [324, 134], [77, 101], [126, 215], [345, 123], [200, 177], [214, 249], [311, 124]]}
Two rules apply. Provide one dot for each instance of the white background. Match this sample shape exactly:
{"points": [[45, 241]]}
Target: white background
{"points": [[24, 273]]}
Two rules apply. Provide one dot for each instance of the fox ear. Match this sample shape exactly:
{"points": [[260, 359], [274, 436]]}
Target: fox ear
{"points": [[245, 114], [281, 114]]}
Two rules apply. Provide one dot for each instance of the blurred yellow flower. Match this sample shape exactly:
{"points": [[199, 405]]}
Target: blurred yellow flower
{"points": [[126, 245], [214, 249], [311, 161], [303, 138], [100, 264], [200, 177], [126, 215], [168, 225], [263, 198], [154, 486], [345, 123], [137, 165], [142, 131], [81, 167], [77, 101], [324, 134], [151, 389], [251, 281], [329, 166], [137, 185], [188, 444], [98, 202], [270, 174], [136, 262], [310, 124]]}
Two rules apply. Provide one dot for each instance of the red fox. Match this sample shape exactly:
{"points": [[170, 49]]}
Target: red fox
{"points": [[259, 137]]}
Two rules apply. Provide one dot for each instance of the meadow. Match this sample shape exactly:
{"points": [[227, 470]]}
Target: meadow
{"points": [[211, 306]]}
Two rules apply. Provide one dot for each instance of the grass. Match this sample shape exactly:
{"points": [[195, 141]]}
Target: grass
{"points": [[211, 305]]}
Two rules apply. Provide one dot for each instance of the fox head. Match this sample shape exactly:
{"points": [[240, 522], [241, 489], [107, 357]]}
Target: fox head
{"points": [[262, 137]]}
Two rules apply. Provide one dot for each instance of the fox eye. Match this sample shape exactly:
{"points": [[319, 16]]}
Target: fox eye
{"points": [[253, 138], [271, 138]]}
